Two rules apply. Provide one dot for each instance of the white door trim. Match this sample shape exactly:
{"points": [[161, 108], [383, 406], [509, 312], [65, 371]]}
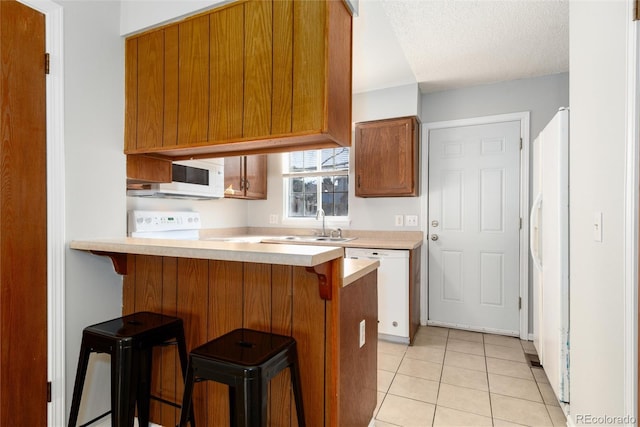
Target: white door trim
{"points": [[631, 200], [523, 117], [56, 411]]}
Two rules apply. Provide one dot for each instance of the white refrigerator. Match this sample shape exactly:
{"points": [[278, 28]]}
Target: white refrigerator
{"points": [[549, 241]]}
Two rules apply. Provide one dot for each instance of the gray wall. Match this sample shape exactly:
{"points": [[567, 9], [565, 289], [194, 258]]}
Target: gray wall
{"points": [[364, 213], [541, 96], [95, 178]]}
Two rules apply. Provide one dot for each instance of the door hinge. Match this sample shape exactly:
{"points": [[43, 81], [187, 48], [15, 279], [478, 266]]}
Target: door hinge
{"points": [[519, 303], [520, 223], [47, 63], [521, 143], [49, 392]]}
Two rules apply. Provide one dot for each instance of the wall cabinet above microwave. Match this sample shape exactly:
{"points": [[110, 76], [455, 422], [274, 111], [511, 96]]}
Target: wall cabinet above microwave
{"points": [[245, 177], [244, 78]]}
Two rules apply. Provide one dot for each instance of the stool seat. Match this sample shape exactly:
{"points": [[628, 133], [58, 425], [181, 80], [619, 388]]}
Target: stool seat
{"points": [[129, 340], [246, 360]]}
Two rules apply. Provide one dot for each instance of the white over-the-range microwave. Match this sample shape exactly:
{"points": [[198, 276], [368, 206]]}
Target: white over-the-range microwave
{"points": [[192, 179]]}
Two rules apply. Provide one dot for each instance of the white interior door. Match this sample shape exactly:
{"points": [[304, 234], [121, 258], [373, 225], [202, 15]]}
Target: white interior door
{"points": [[474, 226]]}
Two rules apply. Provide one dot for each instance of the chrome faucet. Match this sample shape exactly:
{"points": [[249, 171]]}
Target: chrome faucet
{"points": [[318, 213]]}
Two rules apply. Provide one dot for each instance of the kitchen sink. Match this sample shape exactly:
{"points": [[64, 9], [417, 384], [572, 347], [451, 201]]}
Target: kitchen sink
{"points": [[311, 239]]}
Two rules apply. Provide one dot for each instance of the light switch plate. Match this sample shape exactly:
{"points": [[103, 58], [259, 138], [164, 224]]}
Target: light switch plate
{"points": [[411, 220], [399, 221]]}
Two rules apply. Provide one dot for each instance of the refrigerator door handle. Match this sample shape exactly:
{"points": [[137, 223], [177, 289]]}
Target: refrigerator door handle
{"points": [[534, 231]]}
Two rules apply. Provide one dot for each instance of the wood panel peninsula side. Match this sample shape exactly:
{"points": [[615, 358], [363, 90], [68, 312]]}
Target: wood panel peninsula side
{"points": [[308, 292]]}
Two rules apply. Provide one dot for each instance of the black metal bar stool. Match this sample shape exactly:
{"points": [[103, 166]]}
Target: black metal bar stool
{"points": [[129, 340], [245, 360]]}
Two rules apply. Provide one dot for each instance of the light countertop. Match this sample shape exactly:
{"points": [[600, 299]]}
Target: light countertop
{"points": [[264, 253], [407, 240], [354, 269]]}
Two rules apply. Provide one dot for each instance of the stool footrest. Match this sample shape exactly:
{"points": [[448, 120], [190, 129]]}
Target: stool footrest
{"points": [[165, 401], [98, 418]]}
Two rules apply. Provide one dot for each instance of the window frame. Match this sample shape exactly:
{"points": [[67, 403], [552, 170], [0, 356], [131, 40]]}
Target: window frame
{"points": [[335, 221]]}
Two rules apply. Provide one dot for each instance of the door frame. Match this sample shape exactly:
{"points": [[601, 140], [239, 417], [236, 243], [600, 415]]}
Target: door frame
{"points": [[631, 328], [56, 411], [524, 118]]}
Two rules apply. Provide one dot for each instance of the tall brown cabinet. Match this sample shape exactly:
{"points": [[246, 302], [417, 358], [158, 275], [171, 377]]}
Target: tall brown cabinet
{"points": [[23, 217]]}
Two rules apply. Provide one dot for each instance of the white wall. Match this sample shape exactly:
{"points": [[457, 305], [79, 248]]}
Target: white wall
{"points": [[138, 15], [364, 213], [598, 41], [95, 175]]}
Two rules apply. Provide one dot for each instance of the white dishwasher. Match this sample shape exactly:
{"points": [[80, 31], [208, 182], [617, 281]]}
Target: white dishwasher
{"points": [[393, 291]]}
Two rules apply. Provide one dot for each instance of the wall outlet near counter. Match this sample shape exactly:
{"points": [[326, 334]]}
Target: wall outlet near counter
{"points": [[273, 219], [411, 220], [399, 221]]}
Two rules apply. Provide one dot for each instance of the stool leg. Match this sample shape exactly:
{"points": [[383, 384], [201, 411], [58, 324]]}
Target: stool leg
{"points": [[186, 411], [251, 402], [297, 385], [144, 387], [184, 362], [83, 362], [124, 375]]}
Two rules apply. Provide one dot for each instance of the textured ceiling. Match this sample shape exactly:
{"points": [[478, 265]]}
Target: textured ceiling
{"points": [[448, 44]]}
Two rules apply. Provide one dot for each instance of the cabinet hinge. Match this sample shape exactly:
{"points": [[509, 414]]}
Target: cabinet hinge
{"points": [[49, 392], [47, 63], [519, 303]]}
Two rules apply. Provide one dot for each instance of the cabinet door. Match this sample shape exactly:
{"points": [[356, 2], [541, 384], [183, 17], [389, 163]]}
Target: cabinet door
{"points": [[233, 177], [145, 97], [193, 83], [258, 71], [226, 73], [256, 176], [386, 158]]}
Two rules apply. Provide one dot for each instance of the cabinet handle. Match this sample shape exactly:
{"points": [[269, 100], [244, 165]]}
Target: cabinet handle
{"points": [[241, 183], [358, 180], [246, 184]]}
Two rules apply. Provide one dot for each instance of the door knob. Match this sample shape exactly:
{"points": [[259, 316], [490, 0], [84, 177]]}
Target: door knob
{"points": [[434, 237]]}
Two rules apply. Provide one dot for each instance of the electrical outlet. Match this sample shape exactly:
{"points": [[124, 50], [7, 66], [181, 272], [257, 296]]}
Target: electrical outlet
{"points": [[363, 330], [411, 220], [399, 220], [273, 219]]}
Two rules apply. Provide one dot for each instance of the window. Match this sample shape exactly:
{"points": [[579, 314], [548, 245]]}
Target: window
{"points": [[315, 175]]}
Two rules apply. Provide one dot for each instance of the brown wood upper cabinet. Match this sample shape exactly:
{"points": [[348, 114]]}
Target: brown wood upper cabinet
{"points": [[244, 78], [245, 177], [387, 161]]}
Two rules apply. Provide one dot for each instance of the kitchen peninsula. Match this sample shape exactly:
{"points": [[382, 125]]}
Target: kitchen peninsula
{"points": [[308, 292]]}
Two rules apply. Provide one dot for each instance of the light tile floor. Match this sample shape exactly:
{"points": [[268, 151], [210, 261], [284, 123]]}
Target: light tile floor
{"points": [[459, 378]]}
